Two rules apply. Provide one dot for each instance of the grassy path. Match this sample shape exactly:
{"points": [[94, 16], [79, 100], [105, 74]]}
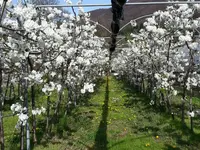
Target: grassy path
{"points": [[116, 117]]}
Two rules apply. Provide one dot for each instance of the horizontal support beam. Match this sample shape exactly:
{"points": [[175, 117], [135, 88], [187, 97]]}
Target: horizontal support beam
{"points": [[127, 4]]}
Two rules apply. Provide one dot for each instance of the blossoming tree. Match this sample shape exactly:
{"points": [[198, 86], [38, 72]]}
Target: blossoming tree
{"points": [[163, 54], [51, 49]]}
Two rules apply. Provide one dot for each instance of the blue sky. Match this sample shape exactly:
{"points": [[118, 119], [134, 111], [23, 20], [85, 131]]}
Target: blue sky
{"points": [[85, 2], [89, 2]]}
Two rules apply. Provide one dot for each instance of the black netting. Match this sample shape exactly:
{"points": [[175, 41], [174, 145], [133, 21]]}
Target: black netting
{"points": [[117, 10]]}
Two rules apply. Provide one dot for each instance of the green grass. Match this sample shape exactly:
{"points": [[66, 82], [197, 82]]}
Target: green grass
{"points": [[116, 117], [10, 133]]}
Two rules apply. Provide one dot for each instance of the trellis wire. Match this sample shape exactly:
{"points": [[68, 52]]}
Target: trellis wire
{"points": [[127, 4]]}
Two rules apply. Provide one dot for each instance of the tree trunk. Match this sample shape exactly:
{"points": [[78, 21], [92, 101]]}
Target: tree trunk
{"points": [[69, 100], [1, 108], [59, 95], [10, 92], [1, 130], [188, 73], [191, 110], [19, 89], [28, 145], [33, 104], [33, 116], [48, 116], [168, 103], [22, 138], [143, 84], [7, 85], [183, 113], [25, 82], [57, 106], [48, 111]]}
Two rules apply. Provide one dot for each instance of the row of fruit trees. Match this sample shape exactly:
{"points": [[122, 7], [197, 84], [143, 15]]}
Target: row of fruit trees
{"points": [[163, 58], [48, 50]]}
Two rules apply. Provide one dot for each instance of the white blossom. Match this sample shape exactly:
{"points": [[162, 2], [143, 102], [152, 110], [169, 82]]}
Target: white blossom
{"points": [[68, 2], [186, 38], [152, 102], [16, 108], [59, 87], [23, 118], [60, 60], [174, 92], [49, 88], [38, 111], [35, 77], [133, 23], [191, 114], [88, 87]]}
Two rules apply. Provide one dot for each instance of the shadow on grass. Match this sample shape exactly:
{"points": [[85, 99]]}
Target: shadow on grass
{"points": [[159, 122], [170, 147], [101, 135], [14, 142], [134, 97], [184, 136], [65, 126]]}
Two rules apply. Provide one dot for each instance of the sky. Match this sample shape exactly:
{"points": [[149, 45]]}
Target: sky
{"points": [[84, 2], [86, 9]]}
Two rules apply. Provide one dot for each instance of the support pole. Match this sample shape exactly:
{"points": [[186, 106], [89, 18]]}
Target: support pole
{"points": [[117, 10]]}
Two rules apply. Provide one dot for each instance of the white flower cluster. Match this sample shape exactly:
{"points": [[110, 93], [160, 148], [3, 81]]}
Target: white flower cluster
{"points": [[23, 118], [21, 113], [174, 92], [30, 25], [191, 114], [50, 87], [35, 77], [133, 23], [191, 82], [28, 12], [152, 102], [88, 87], [38, 111], [155, 29], [185, 38], [68, 2], [162, 81], [60, 60], [16, 108]]}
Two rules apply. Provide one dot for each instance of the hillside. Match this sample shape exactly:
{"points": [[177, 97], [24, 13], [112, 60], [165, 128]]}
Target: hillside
{"points": [[104, 16]]}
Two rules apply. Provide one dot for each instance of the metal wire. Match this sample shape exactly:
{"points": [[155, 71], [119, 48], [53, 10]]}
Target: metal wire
{"points": [[101, 26], [145, 16], [127, 4]]}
